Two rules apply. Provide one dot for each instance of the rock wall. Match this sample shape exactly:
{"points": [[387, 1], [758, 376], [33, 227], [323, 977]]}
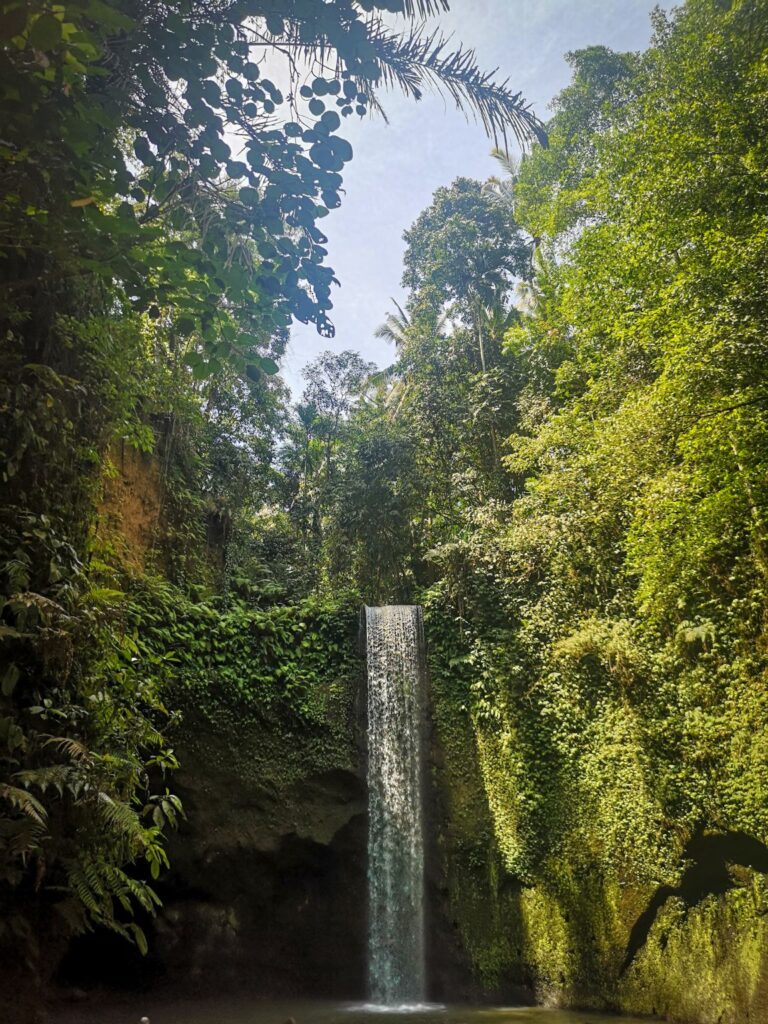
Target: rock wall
{"points": [[268, 882], [565, 922], [266, 888], [130, 514], [268, 885]]}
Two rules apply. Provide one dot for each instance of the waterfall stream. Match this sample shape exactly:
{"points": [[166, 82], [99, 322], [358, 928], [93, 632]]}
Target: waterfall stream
{"points": [[395, 655]]}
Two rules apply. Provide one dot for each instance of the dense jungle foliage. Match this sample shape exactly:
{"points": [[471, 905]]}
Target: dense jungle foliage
{"points": [[566, 462], [580, 404], [161, 200]]}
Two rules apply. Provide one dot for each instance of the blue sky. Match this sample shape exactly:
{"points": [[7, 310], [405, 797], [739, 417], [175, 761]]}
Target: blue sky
{"points": [[397, 166]]}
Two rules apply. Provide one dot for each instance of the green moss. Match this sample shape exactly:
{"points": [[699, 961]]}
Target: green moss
{"points": [[554, 842], [265, 703], [706, 965], [232, 662]]}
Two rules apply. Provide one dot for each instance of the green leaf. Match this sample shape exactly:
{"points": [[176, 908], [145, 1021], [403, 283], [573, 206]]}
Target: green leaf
{"points": [[331, 120], [10, 678], [248, 195], [236, 169], [107, 16], [139, 937], [234, 88], [45, 33], [275, 24]]}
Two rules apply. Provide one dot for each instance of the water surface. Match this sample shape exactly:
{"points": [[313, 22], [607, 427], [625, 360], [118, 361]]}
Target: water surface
{"points": [[164, 1010]]}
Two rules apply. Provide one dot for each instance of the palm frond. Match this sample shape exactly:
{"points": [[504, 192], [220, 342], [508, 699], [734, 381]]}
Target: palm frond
{"points": [[422, 60], [387, 330], [509, 163], [394, 327], [383, 376], [423, 8], [400, 398]]}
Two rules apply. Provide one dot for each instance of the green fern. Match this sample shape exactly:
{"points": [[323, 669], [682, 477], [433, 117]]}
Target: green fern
{"points": [[24, 802], [120, 817], [56, 776], [74, 749]]}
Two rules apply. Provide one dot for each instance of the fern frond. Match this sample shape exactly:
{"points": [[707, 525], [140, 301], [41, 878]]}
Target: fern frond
{"points": [[93, 873], [120, 817], [95, 884], [71, 910], [23, 837], [57, 776], [142, 893], [84, 882], [152, 737], [24, 802]]}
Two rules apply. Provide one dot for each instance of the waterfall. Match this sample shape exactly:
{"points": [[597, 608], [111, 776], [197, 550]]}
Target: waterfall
{"points": [[395, 654]]}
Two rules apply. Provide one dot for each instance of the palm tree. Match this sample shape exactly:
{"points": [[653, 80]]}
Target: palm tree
{"points": [[395, 327], [398, 328], [496, 319]]}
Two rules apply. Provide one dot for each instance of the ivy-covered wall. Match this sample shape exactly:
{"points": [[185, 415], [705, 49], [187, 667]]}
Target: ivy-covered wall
{"points": [[271, 778], [563, 869], [266, 884]]}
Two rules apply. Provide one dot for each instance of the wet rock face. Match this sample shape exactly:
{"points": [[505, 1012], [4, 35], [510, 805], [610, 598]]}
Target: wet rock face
{"points": [[268, 883], [290, 920], [267, 886]]}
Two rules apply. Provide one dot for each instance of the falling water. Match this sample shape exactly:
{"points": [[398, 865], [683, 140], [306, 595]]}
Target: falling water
{"points": [[395, 653]]}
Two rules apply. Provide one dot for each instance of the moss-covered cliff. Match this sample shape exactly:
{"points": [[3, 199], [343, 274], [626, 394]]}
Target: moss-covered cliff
{"points": [[266, 884], [563, 872], [267, 887], [552, 872]]}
